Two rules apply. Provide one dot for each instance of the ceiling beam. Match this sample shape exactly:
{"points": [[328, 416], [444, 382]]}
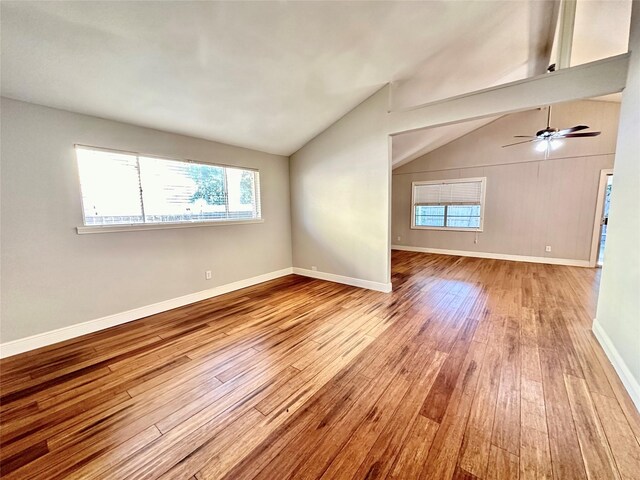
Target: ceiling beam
{"points": [[565, 33], [583, 81]]}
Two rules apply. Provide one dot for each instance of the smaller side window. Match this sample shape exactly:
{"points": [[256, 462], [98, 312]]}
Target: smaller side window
{"points": [[455, 204]]}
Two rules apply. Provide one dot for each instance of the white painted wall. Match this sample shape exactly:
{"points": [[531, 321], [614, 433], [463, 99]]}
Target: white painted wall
{"points": [[340, 186], [530, 202], [618, 317], [53, 278]]}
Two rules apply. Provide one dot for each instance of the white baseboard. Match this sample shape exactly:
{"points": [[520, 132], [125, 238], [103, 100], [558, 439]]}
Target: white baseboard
{"points": [[627, 378], [355, 282], [48, 338], [497, 256]]}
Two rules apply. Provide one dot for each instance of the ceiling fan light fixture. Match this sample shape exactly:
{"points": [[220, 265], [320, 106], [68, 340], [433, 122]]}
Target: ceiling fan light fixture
{"points": [[547, 145], [542, 146], [548, 137]]}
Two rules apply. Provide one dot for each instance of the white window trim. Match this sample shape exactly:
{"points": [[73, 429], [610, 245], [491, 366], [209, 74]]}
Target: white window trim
{"points": [[86, 229], [482, 180], [133, 227]]}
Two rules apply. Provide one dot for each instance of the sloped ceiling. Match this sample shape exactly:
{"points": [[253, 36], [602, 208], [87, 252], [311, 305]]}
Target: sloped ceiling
{"points": [[409, 146], [601, 30], [263, 75]]}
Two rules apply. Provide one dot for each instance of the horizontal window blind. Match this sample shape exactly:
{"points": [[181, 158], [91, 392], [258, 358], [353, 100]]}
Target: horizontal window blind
{"points": [[448, 204], [110, 187], [458, 193], [121, 188]]}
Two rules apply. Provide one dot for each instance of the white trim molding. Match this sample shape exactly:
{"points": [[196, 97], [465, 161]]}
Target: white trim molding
{"points": [[597, 220], [134, 227], [48, 338], [483, 191], [496, 256], [621, 368], [354, 282]]}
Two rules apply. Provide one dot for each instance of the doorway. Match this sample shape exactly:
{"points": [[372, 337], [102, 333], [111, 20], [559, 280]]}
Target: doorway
{"points": [[602, 218]]}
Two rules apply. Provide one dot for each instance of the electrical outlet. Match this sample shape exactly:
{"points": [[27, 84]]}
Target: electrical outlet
{"points": [[314, 268], [207, 275], [399, 238], [547, 248]]}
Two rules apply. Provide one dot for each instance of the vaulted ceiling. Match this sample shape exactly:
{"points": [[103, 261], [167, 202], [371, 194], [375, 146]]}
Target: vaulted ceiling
{"points": [[262, 75]]}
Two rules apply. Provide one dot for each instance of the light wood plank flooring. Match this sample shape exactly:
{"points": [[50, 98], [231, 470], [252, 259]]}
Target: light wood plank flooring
{"points": [[471, 368]]}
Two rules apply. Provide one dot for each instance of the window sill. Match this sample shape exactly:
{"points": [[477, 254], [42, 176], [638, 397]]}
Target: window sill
{"points": [[449, 229], [88, 229]]}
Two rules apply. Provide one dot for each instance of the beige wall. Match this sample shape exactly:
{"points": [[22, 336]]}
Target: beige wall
{"points": [[618, 316], [52, 277], [340, 184], [530, 202]]}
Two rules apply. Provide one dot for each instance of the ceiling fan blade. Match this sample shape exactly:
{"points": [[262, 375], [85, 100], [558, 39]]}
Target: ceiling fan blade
{"points": [[577, 128], [524, 136], [583, 134], [518, 143]]}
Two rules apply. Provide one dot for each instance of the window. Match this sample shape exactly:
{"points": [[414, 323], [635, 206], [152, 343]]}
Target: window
{"points": [[121, 188], [448, 204]]}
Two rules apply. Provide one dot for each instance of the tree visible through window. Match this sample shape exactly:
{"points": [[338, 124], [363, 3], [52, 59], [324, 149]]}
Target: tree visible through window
{"points": [[210, 184], [246, 188]]}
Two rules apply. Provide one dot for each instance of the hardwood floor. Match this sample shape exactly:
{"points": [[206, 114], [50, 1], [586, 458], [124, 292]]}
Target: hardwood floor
{"points": [[471, 368]]}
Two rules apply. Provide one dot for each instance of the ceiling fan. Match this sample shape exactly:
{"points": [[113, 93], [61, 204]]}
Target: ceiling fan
{"points": [[547, 135]]}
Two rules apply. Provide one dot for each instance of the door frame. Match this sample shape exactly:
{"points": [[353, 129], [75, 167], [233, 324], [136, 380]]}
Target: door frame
{"points": [[595, 241]]}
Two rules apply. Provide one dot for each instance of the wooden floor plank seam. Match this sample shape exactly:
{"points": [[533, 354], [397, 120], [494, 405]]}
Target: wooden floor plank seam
{"points": [[470, 369]]}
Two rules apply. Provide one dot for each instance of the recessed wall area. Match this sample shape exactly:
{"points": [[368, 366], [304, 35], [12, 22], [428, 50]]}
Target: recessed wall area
{"points": [[533, 204]]}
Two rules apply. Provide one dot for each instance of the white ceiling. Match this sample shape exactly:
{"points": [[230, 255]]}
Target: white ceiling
{"points": [[411, 145], [601, 30], [263, 75]]}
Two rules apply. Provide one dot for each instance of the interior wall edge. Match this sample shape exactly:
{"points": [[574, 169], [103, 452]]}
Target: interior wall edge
{"points": [[626, 377], [496, 256], [33, 342], [340, 197]]}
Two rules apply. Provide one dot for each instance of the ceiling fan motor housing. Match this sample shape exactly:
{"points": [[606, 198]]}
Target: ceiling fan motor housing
{"points": [[547, 132]]}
